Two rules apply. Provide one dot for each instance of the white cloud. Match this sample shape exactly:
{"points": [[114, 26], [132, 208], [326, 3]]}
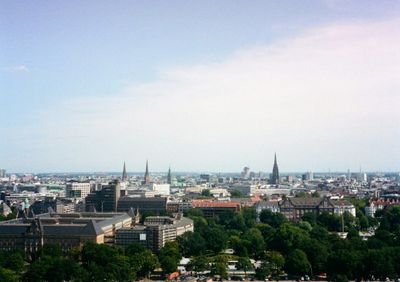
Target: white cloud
{"points": [[19, 68], [326, 99]]}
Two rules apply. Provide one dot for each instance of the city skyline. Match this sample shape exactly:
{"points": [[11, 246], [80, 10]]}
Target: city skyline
{"points": [[200, 86]]}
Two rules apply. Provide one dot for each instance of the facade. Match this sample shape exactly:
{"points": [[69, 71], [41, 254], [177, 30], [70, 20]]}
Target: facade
{"points": [[294, 208], [66, 230], [104, 200], [213, 208], [77, 190], [156, 231], [245, 189], [56, 205], [154, 204], [376, 205]]}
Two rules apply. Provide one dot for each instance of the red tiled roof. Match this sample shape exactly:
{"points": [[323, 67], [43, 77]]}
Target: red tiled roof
{"points": [[213, 204]]}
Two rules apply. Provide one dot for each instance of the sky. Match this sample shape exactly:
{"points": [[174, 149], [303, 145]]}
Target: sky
{"points": [[199, 85]]}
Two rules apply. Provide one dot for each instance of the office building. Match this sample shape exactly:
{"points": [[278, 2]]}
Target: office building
{"points": [[151, 204], [104, 200], [156, 231], [77, 190]]}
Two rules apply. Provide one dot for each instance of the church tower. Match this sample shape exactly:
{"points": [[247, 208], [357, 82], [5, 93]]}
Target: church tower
{"points": [[169, 176], [275, 173], [124, 174], [146, 174]]}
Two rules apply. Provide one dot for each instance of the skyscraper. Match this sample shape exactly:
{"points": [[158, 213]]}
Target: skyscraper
{"points": [[124, 175], [146, 174], [275, 173]]}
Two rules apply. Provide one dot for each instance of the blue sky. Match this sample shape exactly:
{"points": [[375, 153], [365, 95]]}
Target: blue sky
{"points": [[95, 54]]}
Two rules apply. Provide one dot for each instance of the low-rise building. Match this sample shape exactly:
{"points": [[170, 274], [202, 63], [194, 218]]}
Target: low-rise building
{"points": [[66, 230], [295, 208]]}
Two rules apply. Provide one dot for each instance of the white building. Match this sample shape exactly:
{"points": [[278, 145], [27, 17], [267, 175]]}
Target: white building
{"points": [[160, 189]]}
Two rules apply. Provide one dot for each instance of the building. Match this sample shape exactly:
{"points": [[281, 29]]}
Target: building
{"points": [[294, 208], [156, 231], [275, 173], [214, 208], [245, 189], [273, 206], [160, 189], [2, 173], [66, 230], [308, 176], [124, 174], [375, 205], [169, 176], [147, 179], [144, 204], [104, 200], [57, 205], [77, 190]]}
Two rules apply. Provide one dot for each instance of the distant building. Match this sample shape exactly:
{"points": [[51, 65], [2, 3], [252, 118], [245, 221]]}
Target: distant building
{"points": [[124, 174], [147, 179], [2, 173], [66, 230], [77, 190], [160, 189], [104, 200], [245, 173], [169, 176], [245, 189], [213, 208], [275, 173], [57, 205], [144, 204], [308, 176], [156, 231]]}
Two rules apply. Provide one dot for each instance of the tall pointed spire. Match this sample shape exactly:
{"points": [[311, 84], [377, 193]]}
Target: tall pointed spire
{"points": [[275, 173], [169, 177], [146, 174], [124, 174]]}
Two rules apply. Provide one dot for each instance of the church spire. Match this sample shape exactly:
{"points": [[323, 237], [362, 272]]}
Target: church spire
{"points": [[275, 173], [146, 174], [169, 177], [124, 174]]}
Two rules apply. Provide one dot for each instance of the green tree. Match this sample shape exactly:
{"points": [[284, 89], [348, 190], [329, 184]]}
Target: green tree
{"points": [[254, 242], [276, 262], [273, 219], [244, 264], [297, 263], [217, 239], [310, 217], [288, 237], [329, 221], [143, 263], [198, 264], [191, 244], [219, 268], [206, 193], [169, 257], [8, 275]]}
